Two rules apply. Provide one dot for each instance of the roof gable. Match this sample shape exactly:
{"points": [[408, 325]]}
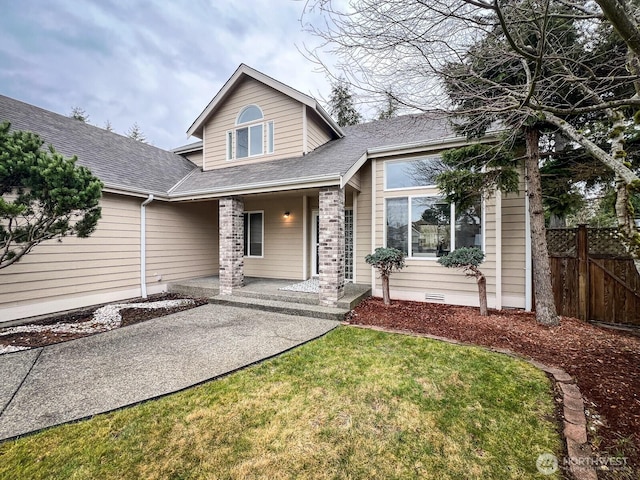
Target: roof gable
{"points": [[244, 71]]}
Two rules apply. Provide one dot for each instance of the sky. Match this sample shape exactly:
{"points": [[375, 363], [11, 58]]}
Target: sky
{"points": [[157, 63]]}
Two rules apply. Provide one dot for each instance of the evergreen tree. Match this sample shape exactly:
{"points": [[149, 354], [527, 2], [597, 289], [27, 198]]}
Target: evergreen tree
{"points": [[341, 104], [390, 108], [43, 195], [79, 114], [136, 133]]}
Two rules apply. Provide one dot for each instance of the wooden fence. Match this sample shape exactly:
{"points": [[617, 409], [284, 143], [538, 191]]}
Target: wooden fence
{"points": [[593, 276]]}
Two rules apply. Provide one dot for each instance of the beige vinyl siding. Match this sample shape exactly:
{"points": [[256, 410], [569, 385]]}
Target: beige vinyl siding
{"points": [[363, 227], [195, 158], [282, 238], [318, 132], [513, 245], [421, 277], [105, 262], [277, 107], [182, 240]]}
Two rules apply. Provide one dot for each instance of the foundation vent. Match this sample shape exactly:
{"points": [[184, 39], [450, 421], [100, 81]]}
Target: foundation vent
{"points": [[434, 297]]}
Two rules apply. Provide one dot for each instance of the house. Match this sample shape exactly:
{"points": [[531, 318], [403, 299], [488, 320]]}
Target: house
{"points": [[272, 188]]}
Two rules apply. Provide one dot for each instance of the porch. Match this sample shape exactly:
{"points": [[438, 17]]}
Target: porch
{"points": [[267, 294]]}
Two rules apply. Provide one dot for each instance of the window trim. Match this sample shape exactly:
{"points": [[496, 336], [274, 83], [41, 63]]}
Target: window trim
{"points": [[452, 223], [243, 109], [270, 140], [229, 145], [248, 233], [267, 134], [405, 159]]}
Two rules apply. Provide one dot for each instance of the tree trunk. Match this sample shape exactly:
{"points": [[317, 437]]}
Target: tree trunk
{"points": [[545, 305], [482, 293], [623, 214], [385, 290]]}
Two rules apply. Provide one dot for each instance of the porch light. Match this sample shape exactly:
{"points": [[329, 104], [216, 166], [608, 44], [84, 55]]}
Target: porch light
{"points": [[286, 214]]}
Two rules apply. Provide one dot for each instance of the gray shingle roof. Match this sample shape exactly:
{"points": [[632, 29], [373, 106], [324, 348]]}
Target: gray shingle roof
{"points": [[331, 159], [117, 160], [131, 165]]}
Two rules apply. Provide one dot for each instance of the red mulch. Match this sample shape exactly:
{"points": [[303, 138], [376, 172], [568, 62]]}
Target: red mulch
{"points": [[129, 316], [604, 362]]}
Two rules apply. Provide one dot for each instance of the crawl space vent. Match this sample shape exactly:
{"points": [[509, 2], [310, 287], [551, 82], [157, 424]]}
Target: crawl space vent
{"points": [[434, 297]]}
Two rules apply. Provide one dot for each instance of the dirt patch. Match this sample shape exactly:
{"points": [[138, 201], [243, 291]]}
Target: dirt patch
{"points": [[130, 316], [604, 362]]}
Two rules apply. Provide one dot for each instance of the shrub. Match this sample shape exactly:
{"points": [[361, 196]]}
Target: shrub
{"points": [[386, 260], [468, 259]]}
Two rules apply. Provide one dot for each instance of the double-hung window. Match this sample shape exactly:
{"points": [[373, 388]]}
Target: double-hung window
{"points": [[252, 136], [253, 234]]}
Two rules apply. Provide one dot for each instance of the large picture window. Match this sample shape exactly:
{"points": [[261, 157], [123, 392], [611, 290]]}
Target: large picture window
{"points": [[249, 139], [253, 234], [427, 226], [412, 173]]}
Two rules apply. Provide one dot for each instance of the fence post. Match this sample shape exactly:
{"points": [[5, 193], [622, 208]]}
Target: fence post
{"points": [[582, 250]]}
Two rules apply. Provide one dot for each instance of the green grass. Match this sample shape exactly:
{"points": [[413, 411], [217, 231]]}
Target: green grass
{"points": [[353, 404]]}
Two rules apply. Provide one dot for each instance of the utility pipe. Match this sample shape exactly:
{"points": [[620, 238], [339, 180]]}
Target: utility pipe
{"points": [[143, 246], [528, 274]]}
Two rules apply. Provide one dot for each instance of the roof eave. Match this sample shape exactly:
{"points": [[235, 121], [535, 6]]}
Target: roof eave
{"points": [[445, 142], [133, 192], [260, 187], [413, 147]]}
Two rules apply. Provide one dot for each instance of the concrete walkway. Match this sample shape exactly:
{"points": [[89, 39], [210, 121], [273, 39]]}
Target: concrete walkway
{"points": [[77, 379]]}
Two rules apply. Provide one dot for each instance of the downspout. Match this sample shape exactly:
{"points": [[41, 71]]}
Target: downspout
{"points": [[143, 246], [528, 277]]}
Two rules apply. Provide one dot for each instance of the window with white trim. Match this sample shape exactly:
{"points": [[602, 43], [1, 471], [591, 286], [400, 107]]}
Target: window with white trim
{"points": [[249, 138], [253, 234], [412, 172], [426, 226]]}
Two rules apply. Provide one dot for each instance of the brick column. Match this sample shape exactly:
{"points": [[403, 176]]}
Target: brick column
{"points": [[331, 248], [231, 244]]}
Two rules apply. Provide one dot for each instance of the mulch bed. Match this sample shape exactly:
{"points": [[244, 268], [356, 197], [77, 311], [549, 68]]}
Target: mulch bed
{"points": [[604, 362], [130, 316]]}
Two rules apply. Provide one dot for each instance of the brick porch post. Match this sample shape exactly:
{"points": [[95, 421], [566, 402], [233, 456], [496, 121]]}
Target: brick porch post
{"points": [[231, 244], [331, 248]]}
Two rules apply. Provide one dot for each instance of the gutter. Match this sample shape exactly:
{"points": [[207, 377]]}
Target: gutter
{"points": [[143, 246]]}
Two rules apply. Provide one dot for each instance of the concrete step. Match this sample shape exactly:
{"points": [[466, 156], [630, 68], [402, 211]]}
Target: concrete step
{"points": [[297, 297], [192, 290], [288, 308]]}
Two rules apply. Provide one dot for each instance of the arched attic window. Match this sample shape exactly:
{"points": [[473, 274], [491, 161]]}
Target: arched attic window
{"points": [[248, 139], [250, 113]]}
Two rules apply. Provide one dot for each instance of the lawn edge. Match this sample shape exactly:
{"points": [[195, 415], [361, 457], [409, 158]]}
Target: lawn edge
{"points": [[574, 429], [162, 395]]}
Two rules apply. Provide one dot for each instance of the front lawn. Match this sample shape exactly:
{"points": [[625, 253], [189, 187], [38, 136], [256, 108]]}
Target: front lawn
{"points": [[353, 404]]}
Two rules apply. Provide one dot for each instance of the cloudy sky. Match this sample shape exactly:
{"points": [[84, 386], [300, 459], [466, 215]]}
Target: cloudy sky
{"points": [[157, 63]]}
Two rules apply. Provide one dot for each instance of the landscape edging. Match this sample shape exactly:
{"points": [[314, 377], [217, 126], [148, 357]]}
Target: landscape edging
{"points": [[574, 422]]}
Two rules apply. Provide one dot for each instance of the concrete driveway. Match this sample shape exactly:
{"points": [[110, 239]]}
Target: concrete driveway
{"points": [[68, 381]]}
